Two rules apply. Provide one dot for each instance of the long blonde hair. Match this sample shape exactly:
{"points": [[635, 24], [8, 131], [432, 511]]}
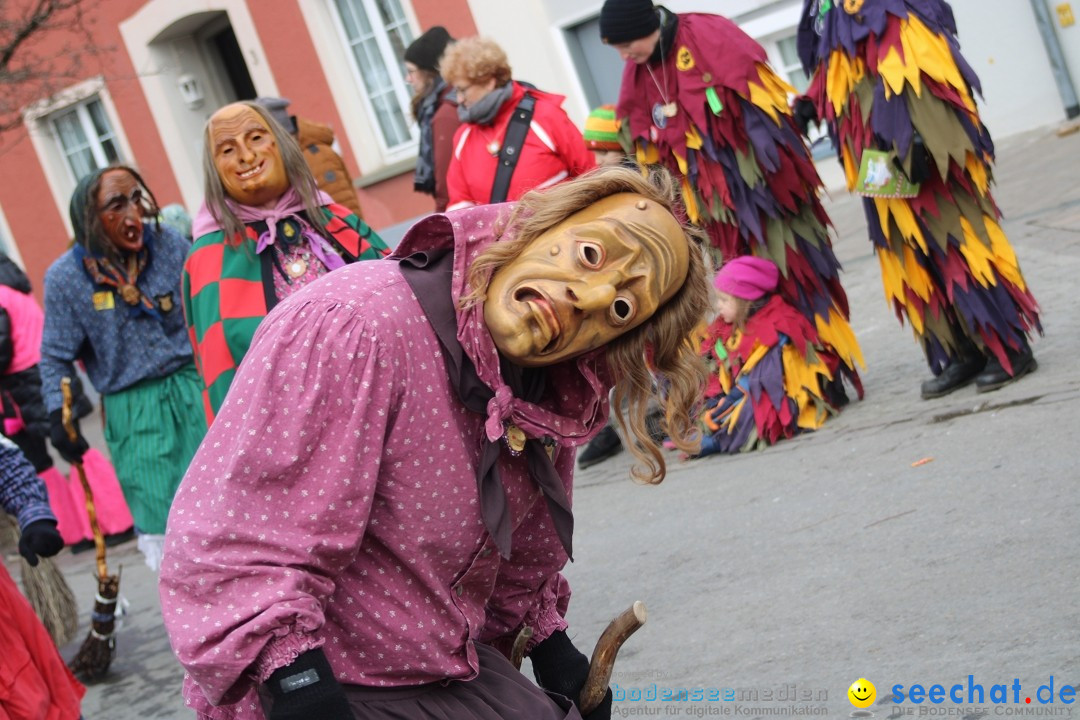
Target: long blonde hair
{"points": [[663, 341]]}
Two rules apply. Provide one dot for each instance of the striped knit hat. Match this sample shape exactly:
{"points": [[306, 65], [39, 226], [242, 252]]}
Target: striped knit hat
{"points": [[602, 129]]}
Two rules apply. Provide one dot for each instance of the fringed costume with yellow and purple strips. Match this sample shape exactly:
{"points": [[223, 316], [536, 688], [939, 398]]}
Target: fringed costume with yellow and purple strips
{"points": [[888, 75], [774, 380], [746, 175]]}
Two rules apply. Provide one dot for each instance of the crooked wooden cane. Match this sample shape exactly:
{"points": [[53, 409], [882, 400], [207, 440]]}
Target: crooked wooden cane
{"points": [[96, 653], [603, 657]]}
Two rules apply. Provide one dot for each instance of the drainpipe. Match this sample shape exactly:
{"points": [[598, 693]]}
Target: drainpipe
{"points": [[1057, 59]]}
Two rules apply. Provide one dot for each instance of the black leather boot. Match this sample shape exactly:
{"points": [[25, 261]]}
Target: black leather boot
{"points": [[995, 376], [956, 375], [600, 448]]}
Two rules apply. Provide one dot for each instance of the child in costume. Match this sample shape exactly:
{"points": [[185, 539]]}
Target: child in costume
{"points": [[602, 137], [888, 79], [774, 375]]}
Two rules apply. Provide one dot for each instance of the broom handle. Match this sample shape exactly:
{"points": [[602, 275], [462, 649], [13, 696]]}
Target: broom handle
{"points": [[69, 426]]}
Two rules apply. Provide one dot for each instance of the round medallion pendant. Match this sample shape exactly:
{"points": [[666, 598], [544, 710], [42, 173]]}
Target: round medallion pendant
{"points": [[296, 268], [659, 117]]}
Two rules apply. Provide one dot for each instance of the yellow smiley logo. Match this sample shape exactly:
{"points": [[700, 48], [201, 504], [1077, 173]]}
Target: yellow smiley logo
{"points": [[862, 693], [853, 6], [683, 59]]}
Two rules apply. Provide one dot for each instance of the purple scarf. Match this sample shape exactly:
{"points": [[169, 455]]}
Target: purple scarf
{"points": [[289, 205]]}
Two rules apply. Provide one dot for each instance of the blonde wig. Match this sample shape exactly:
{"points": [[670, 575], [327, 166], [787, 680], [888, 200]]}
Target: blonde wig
{"points": [[662, 342]]}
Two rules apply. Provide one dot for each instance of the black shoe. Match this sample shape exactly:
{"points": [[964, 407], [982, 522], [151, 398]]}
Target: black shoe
{"points": [[600, 448], [120, 537], [82, 546], [995, 376], [654, 423], [956, 375]]}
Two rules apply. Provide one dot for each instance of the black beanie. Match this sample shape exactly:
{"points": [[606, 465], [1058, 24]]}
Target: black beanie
{"points": [[425, 51], [627, 20]]}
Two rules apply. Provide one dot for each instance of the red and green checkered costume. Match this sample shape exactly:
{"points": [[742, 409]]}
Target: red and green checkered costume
{"points": [[228, 289]]}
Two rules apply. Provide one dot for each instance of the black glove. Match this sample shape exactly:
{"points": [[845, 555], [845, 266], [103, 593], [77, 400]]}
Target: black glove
{"points": [[40, 538], [561, 668], [70, 451], [306, 690], [804, 113]]}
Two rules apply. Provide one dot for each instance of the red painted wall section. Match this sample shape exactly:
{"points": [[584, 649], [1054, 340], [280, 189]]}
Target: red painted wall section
{"points": [[35, 222], [32, 214], [454, 15]]}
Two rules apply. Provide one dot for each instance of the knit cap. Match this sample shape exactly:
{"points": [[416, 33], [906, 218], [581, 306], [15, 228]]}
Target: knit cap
{"points": [[627, 20], [278, 109], [426, 50], [602, 129], [747, 277]]}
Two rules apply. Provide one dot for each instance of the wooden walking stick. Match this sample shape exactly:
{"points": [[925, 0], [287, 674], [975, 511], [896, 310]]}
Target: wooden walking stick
{"points": [[603, 657], [517, 653], [97, 650]]}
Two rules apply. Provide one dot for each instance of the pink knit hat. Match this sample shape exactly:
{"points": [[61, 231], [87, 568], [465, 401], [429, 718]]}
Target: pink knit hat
{"points": [[747, 277]]}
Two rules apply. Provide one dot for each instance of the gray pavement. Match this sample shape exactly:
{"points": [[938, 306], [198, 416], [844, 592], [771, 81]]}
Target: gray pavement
{"points": [[830, 557]]}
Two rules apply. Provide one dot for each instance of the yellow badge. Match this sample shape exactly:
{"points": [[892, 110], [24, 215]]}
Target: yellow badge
{"points": [[853, 6], [165, 302], [104, 300], [515, 438], [683, 59]]}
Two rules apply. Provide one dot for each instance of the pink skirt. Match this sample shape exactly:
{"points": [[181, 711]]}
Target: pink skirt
{"points": [[68, 501]]}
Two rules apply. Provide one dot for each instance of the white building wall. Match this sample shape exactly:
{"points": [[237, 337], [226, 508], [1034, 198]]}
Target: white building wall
{"points": [[1001, 42], [532, 41], [999, 38]]}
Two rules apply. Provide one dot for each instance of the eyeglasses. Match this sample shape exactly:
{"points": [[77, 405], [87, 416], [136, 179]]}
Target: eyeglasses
{"points": [[462, 90], [118, 203]]}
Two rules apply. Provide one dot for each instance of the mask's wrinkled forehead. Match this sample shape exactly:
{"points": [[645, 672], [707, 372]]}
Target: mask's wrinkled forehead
{"points": [[234, 121], [642, 226]]}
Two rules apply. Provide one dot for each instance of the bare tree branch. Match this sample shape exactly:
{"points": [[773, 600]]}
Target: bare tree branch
{"points": [[30, 69]]}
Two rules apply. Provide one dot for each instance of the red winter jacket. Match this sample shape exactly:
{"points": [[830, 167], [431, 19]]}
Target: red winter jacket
{"points": [[554, 150]]}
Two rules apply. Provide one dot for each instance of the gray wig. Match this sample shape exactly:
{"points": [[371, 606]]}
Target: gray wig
{"points": [[296, 170]]}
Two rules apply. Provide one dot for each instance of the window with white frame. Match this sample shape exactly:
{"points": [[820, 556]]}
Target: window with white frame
{"points": [[790, 65], [377, 33], [85, 137]]}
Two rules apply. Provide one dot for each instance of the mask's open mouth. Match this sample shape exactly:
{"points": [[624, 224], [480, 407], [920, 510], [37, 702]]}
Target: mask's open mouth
{"points": [[546, 314], [248, 174]]}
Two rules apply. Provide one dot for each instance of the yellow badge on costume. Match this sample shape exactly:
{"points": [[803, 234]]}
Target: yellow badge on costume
{"points": [[515, 438], [853, 6], [104, 300], [683, 59]]}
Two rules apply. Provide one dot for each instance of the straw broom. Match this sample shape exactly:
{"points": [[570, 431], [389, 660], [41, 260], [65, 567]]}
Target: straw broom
{"points": [[96, 653], [49, 595]]}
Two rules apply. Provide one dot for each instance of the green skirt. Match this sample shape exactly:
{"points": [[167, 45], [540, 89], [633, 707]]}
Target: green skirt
{"points": [[153, 429]]}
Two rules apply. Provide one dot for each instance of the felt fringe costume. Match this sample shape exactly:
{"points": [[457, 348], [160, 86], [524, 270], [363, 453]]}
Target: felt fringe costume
{"points": [[774, 380], [885, 74], [746, 175]]}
